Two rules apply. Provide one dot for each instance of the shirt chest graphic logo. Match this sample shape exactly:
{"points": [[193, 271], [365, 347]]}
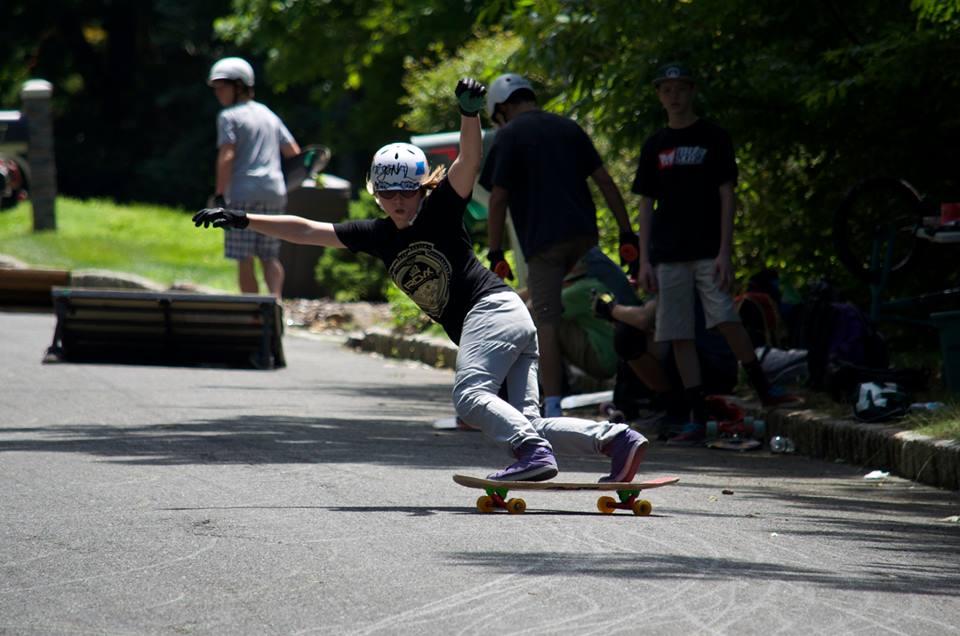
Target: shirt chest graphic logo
{"points": [[682, 156], [422, 272]]}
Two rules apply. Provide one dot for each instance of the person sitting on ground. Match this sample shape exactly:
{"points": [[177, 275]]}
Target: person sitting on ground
{"points": [[653, 365], [429, 255]]}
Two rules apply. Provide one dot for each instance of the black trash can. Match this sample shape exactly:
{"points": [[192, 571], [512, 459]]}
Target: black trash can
{"points": [[325, 198]]}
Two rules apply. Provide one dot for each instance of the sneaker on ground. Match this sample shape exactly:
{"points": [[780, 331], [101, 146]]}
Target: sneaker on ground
{"points": [[534, 463], [626, 452], [692, 434]]}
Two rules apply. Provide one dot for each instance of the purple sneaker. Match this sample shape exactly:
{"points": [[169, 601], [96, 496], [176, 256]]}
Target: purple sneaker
{"points": [[626, 451], [534, 463]]}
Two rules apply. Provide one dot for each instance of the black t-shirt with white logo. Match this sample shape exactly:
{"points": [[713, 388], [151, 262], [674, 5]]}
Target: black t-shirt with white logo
{"points": [[543, 161], [431, 261], [683, 169]]}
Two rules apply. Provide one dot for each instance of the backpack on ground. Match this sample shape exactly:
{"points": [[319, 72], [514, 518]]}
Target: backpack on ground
{"points": [[835, 332], [880, 402]]}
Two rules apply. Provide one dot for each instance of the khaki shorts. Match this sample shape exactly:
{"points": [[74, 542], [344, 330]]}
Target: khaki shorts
{"points": [[677, 283], [545, 274]]}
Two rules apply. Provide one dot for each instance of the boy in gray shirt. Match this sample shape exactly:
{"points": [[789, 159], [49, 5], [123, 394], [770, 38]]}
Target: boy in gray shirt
{"points": [[251, 140]]}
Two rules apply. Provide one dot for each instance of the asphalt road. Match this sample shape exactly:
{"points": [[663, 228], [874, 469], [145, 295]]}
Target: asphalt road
{"points": [[318, 499]]}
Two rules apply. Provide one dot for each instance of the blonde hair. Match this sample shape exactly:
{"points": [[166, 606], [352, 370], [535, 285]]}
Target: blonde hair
{"points": [[434, 179]]}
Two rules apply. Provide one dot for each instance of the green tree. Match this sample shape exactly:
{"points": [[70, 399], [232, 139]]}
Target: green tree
{"points": [[350, 55], [817, 96], [133, 116]]}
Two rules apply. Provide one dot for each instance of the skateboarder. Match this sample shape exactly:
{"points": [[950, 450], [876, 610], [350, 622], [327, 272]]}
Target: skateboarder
{"points": [[429, 255]]}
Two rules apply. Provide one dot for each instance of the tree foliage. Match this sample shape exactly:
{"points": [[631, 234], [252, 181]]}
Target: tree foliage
{"points": [[816, 95], [133, 116], [349, 57]]}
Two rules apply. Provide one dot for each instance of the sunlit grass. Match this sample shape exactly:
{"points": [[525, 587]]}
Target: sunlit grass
{"points": [[156, 242], [943, 423]]}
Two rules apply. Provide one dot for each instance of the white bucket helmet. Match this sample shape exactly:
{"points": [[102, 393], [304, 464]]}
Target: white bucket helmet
{"points": [[397, 166], [503, 87], [231, 68]]}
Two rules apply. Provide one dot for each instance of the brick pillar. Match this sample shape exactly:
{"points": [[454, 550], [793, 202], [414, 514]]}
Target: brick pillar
{"points": [[35, 97]]}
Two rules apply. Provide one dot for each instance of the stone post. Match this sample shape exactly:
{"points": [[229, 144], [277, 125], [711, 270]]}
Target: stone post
{"points": [[35, 96]]}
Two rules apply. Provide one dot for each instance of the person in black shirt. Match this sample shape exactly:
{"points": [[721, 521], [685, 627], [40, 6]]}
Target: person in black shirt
{"points": [[686, 245], [429, 255], [539, 164]]}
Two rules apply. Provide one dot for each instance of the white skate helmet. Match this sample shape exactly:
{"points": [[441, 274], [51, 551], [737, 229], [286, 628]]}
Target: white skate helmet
{"points": [[503, 87], [397, 166], [231, 68]]}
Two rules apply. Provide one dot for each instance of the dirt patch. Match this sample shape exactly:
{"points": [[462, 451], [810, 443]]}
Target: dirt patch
{"points": [[328, 316]]}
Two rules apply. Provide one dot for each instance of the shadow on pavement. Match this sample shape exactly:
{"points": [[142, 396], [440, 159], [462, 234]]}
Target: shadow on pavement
{"points": [[673, 567]]}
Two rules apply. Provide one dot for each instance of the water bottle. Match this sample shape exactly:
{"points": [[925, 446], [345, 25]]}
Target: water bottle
{"points": [[926, 406], [780, 444]]}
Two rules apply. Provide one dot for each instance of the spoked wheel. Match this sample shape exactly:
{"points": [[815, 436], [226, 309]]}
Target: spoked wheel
{"points": [[878, 214]]}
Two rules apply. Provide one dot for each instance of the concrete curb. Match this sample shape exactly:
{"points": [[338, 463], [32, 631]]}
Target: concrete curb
{"points": [[437, 352], [916, 457], [921, 458]]}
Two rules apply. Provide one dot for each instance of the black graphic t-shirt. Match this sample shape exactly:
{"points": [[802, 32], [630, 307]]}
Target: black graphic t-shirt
{"points": [[431, 261], [683, 169], [543, 160]]}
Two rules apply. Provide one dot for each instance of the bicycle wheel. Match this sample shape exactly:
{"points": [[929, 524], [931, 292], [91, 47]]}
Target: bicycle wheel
{"points": [[879, 213]]}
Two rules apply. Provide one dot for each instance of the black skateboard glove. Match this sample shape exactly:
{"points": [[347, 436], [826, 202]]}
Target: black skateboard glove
{"points": [[219, 201], [602, 305], [221, 217], [470, 94], [499, 265]]}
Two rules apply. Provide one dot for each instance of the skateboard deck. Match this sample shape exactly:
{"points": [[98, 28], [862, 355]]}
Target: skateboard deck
{"points": [[586, 399], [452, 424], [730, 428], [627, 492], [736, 444]]}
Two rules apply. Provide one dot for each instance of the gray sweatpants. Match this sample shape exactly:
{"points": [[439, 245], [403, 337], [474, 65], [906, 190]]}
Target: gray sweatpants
{"points": [[499, 345]]}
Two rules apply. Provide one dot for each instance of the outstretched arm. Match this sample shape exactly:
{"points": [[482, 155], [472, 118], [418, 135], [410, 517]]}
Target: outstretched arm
{"points": [[465, 168], [294, 229]]}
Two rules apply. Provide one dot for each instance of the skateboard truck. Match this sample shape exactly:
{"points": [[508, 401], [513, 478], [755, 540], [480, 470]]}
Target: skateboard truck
{"points": [[497, 498]]}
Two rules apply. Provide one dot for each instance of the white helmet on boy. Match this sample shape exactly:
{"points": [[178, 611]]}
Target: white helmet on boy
{"points": [[503, 87], [231, 68], [397, 166]]}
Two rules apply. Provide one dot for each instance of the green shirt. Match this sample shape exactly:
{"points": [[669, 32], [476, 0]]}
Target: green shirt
{"points": [[578, 308]]}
